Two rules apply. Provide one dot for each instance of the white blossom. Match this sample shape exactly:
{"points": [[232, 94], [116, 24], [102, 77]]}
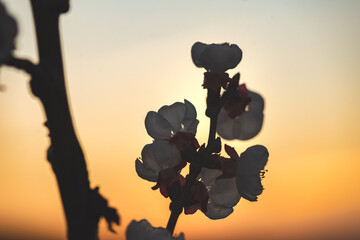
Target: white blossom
{"points": [[249, 167], [161, 126], [156, 157], [245, 126], [216, 57], [142, 230], [225, 193], [170, 119]]}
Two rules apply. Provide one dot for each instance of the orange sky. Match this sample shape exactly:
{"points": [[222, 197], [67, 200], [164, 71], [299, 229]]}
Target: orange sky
{"points": [[124, 59]]}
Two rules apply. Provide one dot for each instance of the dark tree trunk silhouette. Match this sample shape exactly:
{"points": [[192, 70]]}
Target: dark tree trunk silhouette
{"points": [[83, 206]]}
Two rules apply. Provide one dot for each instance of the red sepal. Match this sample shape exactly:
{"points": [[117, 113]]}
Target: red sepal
{"points": [[228, 167], [184, 140], [215, 80], [244, 92], [231, 152], [199, 198], [237, 104], [168, 178]]}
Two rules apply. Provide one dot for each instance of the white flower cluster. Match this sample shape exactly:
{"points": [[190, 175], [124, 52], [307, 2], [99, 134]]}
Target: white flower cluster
{"points": [[224, 193], [161, 126], [227, 180]]}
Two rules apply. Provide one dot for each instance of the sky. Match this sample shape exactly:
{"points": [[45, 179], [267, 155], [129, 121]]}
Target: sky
{"points": [[125, 58]]}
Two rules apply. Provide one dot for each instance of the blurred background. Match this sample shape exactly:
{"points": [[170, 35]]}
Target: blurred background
{"points": [[125, 58]]}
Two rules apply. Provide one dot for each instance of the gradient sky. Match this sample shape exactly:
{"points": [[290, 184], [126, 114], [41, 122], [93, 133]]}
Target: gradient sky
{"points": [[125, 58]]}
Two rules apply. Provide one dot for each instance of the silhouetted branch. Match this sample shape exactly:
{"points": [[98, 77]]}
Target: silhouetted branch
{"points": [[22, 64], [83, 206]]}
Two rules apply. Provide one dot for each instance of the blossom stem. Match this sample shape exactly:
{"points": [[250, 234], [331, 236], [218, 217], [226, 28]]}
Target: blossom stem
{"points": [[212, 111], [212, 132], [178, 204]]}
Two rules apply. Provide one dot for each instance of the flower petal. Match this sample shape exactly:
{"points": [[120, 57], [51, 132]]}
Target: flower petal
{"points": [[208, 176], [249, 124], [215, 212], [174, 114], [190, 126], [142, 230], [216, 57], [252, 160], [237, 55], [145, 173], [256, 106], [249, 165], [196, 51], [225, 125], [190, 110], [245, 126], [190, 122], [156, 156], [224, 192], [157, 126], [221, 57], [249, 187], [165, 154]]}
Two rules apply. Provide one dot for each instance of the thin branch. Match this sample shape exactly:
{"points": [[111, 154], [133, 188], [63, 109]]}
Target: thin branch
{"points": [[22, 64]]}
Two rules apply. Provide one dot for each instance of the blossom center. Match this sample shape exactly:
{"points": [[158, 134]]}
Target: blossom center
{"points": [[184, 140], [237, 102]]}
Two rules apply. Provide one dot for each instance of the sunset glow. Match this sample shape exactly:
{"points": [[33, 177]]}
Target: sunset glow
{"points": [[125, 58]]}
